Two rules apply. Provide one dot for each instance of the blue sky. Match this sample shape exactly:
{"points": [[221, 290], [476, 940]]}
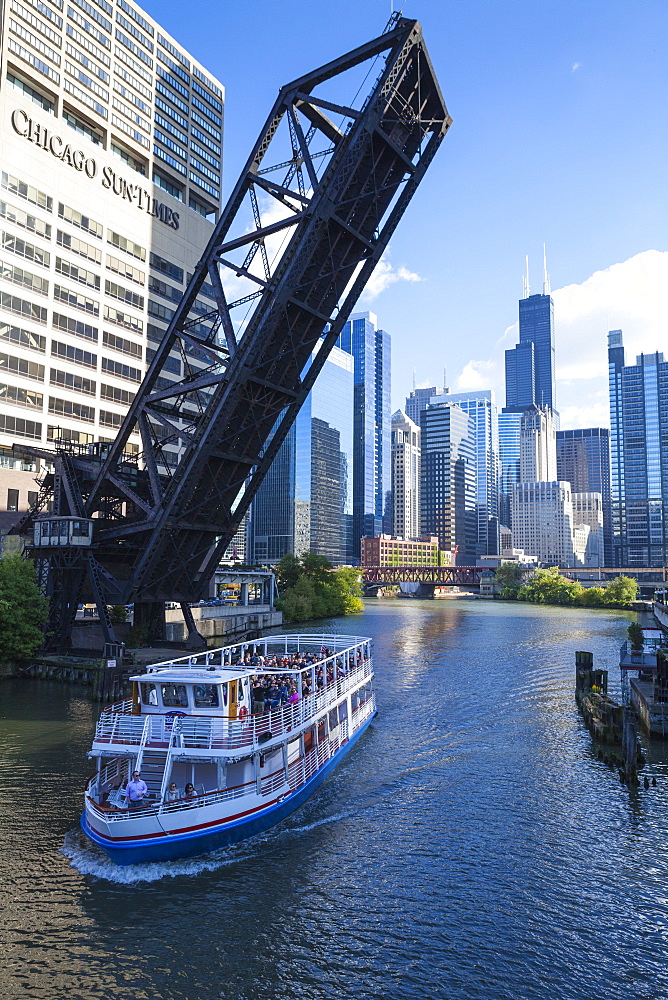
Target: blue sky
{"points": [[559, 136]]}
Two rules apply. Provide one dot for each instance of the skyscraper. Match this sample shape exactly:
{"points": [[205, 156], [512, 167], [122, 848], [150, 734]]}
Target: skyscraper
{"points": [[509, 457], [417, 401], [305, 502], [639, 449], [543, 522], [482, 411], [530, 371], [372, 501], [538, 446], [583, 460], [110, 186], [447, 482], [405, 476]]}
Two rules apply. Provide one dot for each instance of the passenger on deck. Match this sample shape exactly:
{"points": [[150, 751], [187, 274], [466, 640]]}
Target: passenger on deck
{"points": [[172, 793], [135, 791], [191, 794], [258, 698]]}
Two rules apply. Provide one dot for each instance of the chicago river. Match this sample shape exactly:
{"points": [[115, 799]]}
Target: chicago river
{"points": [[471, 846]]}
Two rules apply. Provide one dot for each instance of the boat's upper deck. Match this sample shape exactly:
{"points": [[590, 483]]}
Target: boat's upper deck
{"points": [[208, 704], [228, 681]]}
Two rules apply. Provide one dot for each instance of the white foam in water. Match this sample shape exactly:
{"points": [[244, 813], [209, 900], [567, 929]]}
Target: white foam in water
{"points": [[90, 860]]}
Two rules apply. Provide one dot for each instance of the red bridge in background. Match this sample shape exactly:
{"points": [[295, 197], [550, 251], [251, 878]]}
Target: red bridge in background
{"points": [[440, 576]]}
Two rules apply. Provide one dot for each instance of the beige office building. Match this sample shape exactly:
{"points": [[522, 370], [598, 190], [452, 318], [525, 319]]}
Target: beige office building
{"points": [[405, 476], [110, 185]]}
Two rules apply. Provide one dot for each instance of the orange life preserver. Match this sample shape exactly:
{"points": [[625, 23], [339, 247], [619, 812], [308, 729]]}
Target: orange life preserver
{"points": [[243, 712]]}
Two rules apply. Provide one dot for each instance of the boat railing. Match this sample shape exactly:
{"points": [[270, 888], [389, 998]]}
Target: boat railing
{"points": [[124, 707], [299, 772], [120, 728], [228, 656], [116, 768], [211, 735], [202, 799]]}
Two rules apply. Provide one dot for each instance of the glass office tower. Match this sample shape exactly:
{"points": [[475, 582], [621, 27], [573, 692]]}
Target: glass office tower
{"points": [[530, 378], [583, 460], [372, 496], [639, 455], [305, 501], [482, 410], [509, 458], [448, 484], [418, 401]]}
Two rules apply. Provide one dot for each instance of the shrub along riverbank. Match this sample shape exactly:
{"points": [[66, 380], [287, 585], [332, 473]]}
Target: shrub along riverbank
{"points": [[311, 588], [548, 586], [23, 610]]}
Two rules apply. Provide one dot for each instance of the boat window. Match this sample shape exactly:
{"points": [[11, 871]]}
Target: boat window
{"points": [[174, 696], [149, 694], [206, 695]]}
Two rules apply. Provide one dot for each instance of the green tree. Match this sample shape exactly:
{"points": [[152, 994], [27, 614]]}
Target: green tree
{"points": [[118, 614], [508, 577], [548, 586], [23, 610], [316, 567], [288, 571], [347, 584], [623, 590], [593, 597], [318, 591], [297, 603]]}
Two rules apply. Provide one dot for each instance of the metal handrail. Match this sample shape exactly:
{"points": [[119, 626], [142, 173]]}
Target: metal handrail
{"points": [[209, 733], [142, 744], [299, 772], [280, 644]]}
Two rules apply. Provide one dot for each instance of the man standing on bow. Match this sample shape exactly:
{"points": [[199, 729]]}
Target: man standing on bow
{"points": [[135, 791]]}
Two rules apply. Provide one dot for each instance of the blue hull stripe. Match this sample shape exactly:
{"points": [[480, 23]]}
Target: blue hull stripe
{"points": [[175, 846]]}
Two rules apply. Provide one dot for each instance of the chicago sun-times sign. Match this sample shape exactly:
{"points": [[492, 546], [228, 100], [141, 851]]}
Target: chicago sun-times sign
{"points": [[52, 143]]}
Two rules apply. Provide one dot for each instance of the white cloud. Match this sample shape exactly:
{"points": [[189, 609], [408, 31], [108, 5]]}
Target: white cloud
{"points": [[575, 67], [385, 275], [631, 296], [477, 375]]}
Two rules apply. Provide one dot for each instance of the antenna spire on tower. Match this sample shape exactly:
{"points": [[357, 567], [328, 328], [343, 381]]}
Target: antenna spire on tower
{"points": [[546, 277], [526, 289]]}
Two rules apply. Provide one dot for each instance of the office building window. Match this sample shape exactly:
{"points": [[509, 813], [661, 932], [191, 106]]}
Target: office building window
{"points": [[29, 91]]}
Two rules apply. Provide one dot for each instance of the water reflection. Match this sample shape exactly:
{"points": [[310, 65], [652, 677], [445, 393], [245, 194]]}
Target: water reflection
{"points": [[471, 847]]}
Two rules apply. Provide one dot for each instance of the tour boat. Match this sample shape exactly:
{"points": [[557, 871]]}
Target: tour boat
{"points": [[228, 742]]}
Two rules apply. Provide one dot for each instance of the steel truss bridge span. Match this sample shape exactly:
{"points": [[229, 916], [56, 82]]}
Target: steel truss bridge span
{"points": [[440, 576], [322, 192]]}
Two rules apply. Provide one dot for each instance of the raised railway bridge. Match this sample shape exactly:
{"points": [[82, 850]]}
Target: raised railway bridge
{"points": [[469, 576], [438, 576]]}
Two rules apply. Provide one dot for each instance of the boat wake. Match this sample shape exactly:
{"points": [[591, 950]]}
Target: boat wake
{"points": [[90, 860]]}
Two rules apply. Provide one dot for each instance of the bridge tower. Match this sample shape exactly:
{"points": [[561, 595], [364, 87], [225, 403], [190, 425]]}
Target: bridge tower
{"points": [[322, 192]]}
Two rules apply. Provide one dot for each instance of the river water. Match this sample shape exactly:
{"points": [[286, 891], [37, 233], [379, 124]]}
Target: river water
{"points": [[471, 846]]}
